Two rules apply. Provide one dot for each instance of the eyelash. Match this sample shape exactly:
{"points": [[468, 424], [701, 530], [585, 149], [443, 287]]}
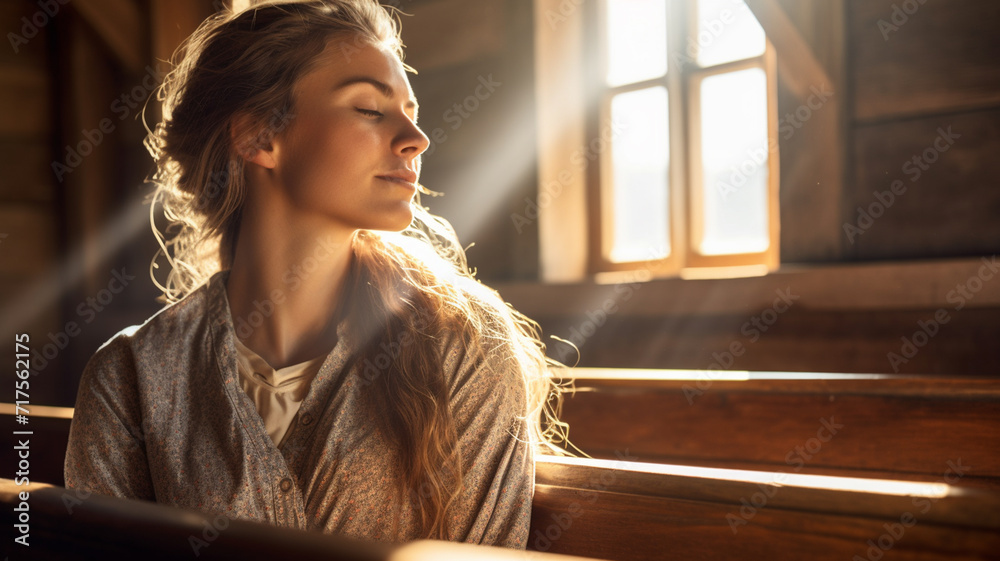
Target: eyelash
{"points": [[369, 112]]}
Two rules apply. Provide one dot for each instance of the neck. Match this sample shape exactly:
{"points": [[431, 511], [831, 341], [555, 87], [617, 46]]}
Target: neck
{"points": [[286, 283]]}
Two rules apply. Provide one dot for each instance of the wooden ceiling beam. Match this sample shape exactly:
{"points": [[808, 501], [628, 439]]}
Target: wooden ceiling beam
{"points": [[803, 70]]}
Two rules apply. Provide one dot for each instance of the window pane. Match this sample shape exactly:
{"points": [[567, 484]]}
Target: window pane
{"points": [[727, 31], [637, 40], [640, 157], [734, 162]]}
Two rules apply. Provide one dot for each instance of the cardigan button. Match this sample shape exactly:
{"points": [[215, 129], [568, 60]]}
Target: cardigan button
{"points": [[307, 420], [286, 484]]}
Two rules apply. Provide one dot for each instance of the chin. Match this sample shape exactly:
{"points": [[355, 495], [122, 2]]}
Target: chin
{"points": [[397, 223]]}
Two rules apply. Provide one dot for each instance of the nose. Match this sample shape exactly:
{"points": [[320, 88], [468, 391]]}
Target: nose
{"points": [[411, 141]]}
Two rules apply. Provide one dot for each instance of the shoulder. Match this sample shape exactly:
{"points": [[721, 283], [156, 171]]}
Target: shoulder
{"points": [[483, 370], [163, 334]]}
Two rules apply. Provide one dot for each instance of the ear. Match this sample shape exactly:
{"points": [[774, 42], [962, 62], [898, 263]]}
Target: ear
{"points": [[250, 143]]}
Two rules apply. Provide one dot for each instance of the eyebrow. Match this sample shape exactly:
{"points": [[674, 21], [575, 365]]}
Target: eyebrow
{"points": [[382, 87]]}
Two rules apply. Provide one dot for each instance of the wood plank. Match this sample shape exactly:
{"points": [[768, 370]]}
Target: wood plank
{"points": [[596, 515], [954, 504], [885, 424], [795, 56], [798, 340], [22, 49], [26, 101], [954, 188], [941, 58], [813, 166], [27, 171], [822, 26], [29, 247], [561, 115], [898, 285], [46, 459]]}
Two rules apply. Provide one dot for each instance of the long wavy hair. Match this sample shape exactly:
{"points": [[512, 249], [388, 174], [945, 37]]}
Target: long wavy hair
{"points": [[413, 284]]}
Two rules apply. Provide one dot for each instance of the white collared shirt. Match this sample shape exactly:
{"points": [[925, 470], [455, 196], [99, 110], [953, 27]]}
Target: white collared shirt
{"points": [[276, 393]]}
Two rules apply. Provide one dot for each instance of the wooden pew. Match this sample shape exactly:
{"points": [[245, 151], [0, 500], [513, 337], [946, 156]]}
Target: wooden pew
{"points": [[637, 511], [593, 508], [65, 524], [907, 468], [899, 427], [50, 426]]}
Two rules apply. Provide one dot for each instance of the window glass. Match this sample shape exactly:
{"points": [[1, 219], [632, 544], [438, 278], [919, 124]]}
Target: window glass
{"points": [[734, 152], [640, 160], [637, 40], [727, 31]]}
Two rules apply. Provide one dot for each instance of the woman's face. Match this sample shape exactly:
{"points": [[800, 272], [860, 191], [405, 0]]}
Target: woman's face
{"points": [[351, 149]]}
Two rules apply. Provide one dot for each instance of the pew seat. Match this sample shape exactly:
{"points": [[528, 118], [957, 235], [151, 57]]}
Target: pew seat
{"points": [[583, 508], [884, 426], [696, 465], [67, 524], [625, 510]]}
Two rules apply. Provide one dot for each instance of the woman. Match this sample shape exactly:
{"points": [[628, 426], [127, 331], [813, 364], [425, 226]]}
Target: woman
{"points": [[327, 361]]}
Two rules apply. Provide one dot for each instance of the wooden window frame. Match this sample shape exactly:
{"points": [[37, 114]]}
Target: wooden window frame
{"points": [[682, 82]]}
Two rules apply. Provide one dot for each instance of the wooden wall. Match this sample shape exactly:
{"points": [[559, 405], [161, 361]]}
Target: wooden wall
{"points": [[483, 139], [915, 75], [73, 168], [30, 208], [895, 90]]}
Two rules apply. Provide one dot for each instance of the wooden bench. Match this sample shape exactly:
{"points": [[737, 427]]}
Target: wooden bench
{"points": [[67, 524], [867, 467], [632, 511], [885, 426], [591, 508], [50, 426], [898, 426]]}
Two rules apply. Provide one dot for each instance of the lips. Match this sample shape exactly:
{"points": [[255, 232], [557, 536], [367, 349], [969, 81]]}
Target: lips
{"points": [[400, 176]]}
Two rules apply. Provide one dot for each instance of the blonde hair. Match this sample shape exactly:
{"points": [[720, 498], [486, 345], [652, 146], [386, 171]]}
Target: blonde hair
{"points": [[414, 283]]}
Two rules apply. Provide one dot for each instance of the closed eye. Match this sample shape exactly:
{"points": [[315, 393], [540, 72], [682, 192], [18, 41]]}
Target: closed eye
{"points": [[369, 112]]}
